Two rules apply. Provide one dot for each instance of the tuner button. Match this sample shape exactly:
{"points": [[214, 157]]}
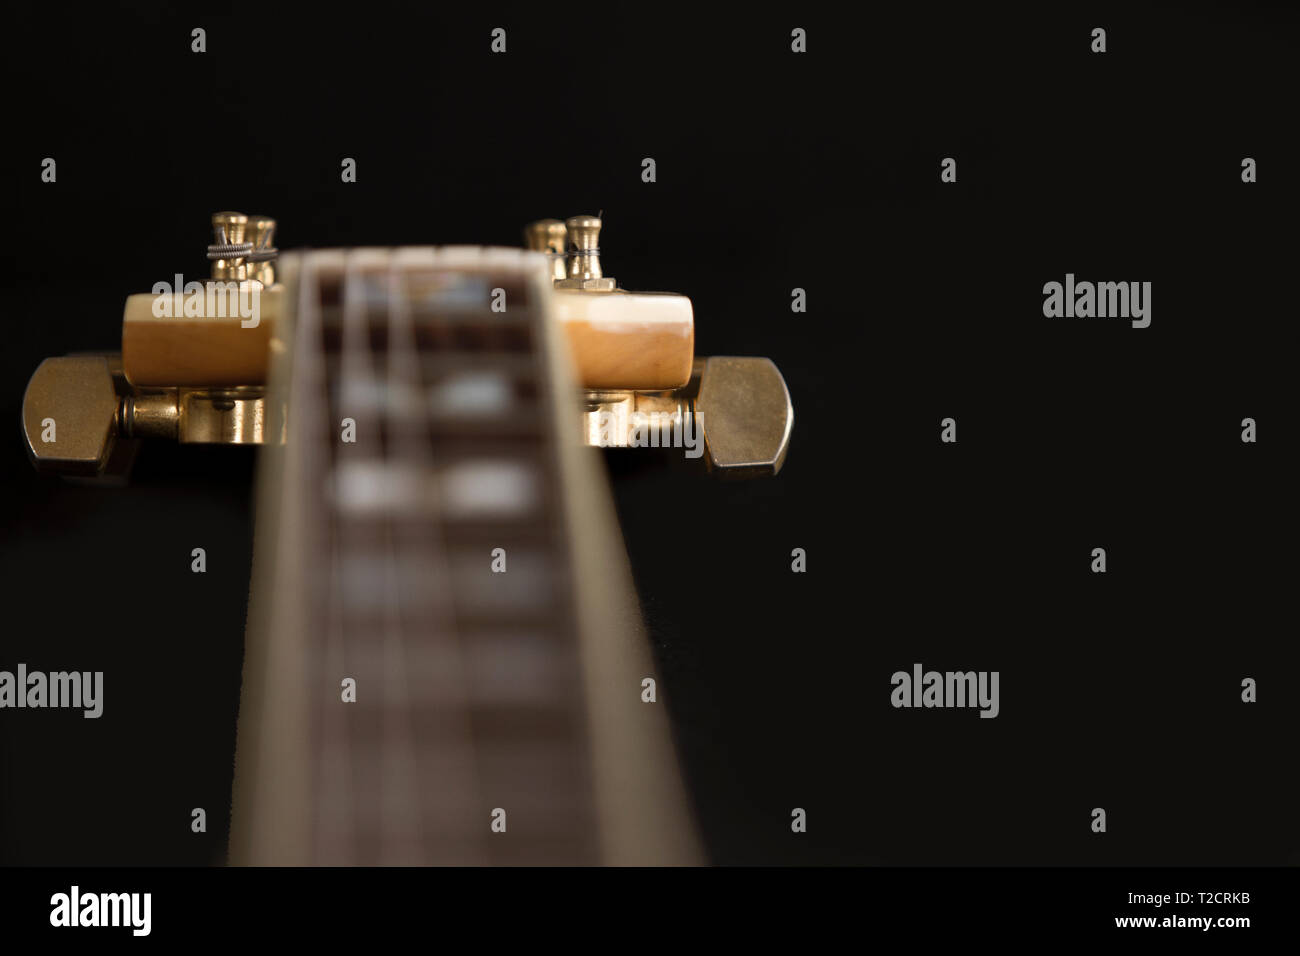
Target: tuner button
{"points": [[745, 412], [71, 401]]}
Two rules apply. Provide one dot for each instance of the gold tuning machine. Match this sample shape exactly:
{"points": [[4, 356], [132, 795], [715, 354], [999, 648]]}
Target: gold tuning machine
{"points": [[642, 385], [735, 412], [177, 377], [79, 411]]}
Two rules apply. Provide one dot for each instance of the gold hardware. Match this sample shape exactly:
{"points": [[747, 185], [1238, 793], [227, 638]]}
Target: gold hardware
{"points": [[744, 410], [548, 236], [583, 268], [77, 407], [81, 414], [261, 261], [197, 416], [70, 415], [243, 248], [613, 419], [739, 407], [229, 250], [231, 416], [152, 414]]}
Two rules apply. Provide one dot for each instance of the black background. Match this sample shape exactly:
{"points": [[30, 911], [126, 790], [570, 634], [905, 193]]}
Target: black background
{"points": [[775, 170]]}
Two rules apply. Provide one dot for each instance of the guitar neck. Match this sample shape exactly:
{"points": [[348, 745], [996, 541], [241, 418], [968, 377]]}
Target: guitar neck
{"points": [[444, 660]]}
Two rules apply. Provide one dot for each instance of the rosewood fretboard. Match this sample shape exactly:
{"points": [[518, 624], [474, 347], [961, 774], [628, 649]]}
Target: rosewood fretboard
{"points": [[427, 408]]}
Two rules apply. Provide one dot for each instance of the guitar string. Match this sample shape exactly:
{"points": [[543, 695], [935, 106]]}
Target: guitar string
{"points": [[304, 386], [470, 795], [402, 790], [332, 822], [351, 368]]}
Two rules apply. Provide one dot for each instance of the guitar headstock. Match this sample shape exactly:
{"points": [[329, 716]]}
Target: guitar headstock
{"points": [[196, 356]]}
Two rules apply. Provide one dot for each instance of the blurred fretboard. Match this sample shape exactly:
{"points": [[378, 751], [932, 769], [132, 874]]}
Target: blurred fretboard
{"points": [[421, 421]]}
